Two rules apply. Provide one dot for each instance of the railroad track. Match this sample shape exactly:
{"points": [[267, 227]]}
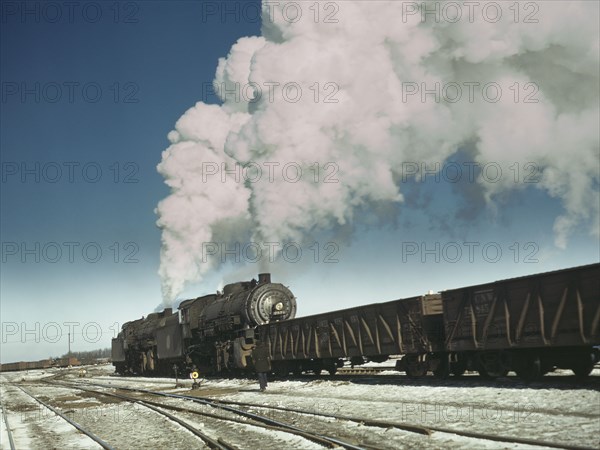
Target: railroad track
{"points": [[412, 428], [363, 370], [373, 375], [424, 430], [83, 430], [257, 420], [217, 444]]}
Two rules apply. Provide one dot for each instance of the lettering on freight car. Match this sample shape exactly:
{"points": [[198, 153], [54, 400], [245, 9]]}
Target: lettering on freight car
{"points": [[466, 322], [323, 338], [482, 302], [531, 332]]}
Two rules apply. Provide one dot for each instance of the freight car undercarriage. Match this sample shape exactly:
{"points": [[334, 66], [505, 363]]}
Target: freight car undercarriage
{"points": [[528, 364]]}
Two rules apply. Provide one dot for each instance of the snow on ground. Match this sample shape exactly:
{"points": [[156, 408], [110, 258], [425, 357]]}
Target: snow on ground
{"points": [[129, 425], [542, 411], [551, 410], [35, 426], [559, 415]]}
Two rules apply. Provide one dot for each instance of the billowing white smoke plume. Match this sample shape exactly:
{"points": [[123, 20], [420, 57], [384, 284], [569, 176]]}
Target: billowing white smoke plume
{"points": [[370, 62]]}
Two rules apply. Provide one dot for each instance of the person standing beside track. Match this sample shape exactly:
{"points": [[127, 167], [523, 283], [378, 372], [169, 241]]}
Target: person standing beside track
{"points": [[262, 365]]}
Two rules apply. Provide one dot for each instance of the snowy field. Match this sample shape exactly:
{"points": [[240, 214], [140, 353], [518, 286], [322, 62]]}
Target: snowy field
{"points": [[555, 410]]}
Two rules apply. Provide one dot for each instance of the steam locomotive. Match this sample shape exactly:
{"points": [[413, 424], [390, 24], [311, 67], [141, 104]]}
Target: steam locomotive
{"points": [[530, 325], [213, 333]]}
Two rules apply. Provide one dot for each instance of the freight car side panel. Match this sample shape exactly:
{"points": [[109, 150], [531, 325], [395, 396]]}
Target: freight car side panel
{"points": [[14, 366], [374, 330], [556, 309]]}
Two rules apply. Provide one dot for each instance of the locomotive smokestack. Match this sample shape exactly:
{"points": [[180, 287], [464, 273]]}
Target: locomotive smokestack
{"points": [[264, 278]]}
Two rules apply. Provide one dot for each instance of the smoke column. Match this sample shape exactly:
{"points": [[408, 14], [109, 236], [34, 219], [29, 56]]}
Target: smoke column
{"points": [[362, 107]]}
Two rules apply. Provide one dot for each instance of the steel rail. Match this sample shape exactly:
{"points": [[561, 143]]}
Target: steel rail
{"points": [[89, 434], [271, 423], [11, 442], [419, 429]]}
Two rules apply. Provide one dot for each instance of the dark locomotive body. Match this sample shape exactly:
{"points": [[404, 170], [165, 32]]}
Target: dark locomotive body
{"points": [[136, 348], [213, 333], [219, 330], [529, 325]]}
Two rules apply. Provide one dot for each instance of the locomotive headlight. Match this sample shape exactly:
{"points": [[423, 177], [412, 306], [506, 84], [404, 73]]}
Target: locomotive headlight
{"points": [[272, 302]]}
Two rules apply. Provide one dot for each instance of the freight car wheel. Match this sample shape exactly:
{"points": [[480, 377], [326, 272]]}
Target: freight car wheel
{"points": [[442, 369], [415, 368], [281, 370], [493, 374], [582, 370], [458, 371], [457, 364], [494, 364], [529, 367], [458, 368]]}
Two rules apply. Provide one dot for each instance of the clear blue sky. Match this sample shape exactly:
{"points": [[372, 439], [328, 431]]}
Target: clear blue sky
{"points": [[80, 96], [150, 64]]}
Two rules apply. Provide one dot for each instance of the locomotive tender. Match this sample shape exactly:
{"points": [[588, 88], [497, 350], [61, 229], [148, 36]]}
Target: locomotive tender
{"points": [[529, 325]]}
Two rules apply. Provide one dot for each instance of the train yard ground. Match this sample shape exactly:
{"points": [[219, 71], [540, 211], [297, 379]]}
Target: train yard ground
{"points": [[373, 408]]}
